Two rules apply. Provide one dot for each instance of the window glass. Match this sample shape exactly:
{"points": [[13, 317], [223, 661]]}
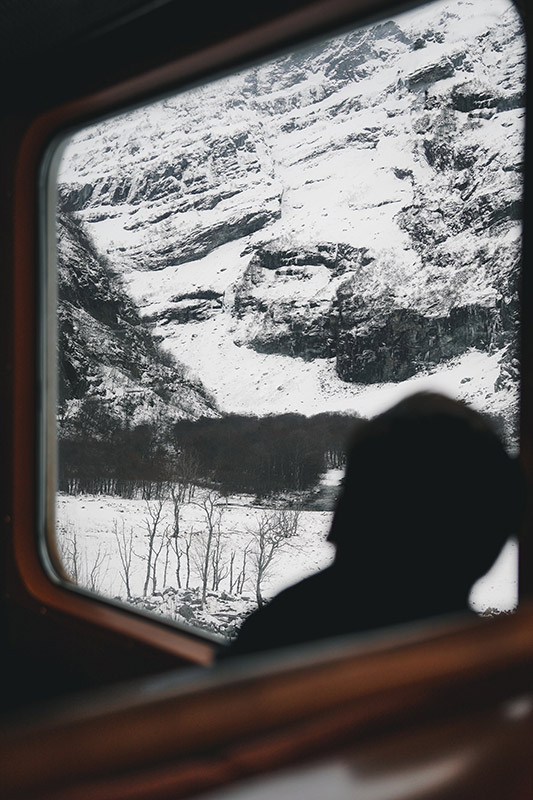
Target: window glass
{"points": [[247, 268]]}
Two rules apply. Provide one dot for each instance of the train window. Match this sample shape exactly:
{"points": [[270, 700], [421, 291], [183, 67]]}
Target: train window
{"points": [[249, 267]]}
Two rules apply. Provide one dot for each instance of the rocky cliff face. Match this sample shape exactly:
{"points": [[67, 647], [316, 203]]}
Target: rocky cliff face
{"points": [[109, 361], [357, 202]]}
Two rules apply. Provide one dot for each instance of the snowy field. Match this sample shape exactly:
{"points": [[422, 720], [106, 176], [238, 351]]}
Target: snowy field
{"points": [[97, 528], [94, 519], [94, 529]]}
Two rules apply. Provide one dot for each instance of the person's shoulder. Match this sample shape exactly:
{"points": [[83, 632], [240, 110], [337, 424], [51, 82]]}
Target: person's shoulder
{"points": [[287, 619], [307, 590]]}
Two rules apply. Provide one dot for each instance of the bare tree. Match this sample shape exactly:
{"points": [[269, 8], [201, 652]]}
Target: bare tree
{"points": [[185, 472], [242, 577], [167, 557], [153, 523], [158, 547], [238, 579], [125, 551], [287, 520], [177, 496], [82, 568], [93, 571], [180, 541], [220, 569], [212, 514], [271, 534], [188, 540], [69, 549], [232, 581]]}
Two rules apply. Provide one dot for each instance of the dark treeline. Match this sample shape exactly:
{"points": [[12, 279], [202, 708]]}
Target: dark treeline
{"points": [[128, 462], [257, 455], [265, 455]]}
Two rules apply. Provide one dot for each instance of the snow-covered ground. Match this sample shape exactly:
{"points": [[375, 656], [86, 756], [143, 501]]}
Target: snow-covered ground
{"points": [[93, 526], [93, 530], [94, 519], [498, 589], [243, 380]]}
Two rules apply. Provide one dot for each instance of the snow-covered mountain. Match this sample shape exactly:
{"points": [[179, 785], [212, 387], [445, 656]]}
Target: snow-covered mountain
{"points": [[332, 228]]}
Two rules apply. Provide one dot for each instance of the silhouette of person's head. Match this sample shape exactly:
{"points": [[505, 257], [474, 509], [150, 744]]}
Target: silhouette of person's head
{"points": [[430, 496]]}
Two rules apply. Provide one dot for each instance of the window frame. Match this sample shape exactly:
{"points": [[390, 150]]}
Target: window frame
{"points": [[29, 249]]}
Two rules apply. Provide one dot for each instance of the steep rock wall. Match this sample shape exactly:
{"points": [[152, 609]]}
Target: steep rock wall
{"points": [[108, 357]]}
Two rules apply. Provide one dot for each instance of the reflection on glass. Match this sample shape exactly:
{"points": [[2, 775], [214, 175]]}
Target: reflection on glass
{"points": [[247, 268]]}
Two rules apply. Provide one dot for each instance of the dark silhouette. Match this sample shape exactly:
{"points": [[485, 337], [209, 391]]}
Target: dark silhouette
{"points": [[429, 497]]}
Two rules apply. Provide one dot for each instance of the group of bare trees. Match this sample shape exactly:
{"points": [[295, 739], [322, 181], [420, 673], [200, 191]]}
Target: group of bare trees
{"points": [[83, 569], [196, 549], [204, 554], [192, 550]]}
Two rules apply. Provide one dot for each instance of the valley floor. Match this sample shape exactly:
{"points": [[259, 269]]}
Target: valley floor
{"points": [[105, 546]]}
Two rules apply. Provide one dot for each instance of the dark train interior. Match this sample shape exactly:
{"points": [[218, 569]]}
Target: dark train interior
{"points": [[99, 701]]}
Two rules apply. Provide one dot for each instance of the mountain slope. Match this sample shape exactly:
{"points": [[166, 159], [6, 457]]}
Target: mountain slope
{"points": [[349, 212], [108, 358]]}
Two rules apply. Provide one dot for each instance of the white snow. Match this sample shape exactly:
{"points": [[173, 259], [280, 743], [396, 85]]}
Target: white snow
{"points": [[498, 589], [93, 520], [245, 381], [217, 271]]}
